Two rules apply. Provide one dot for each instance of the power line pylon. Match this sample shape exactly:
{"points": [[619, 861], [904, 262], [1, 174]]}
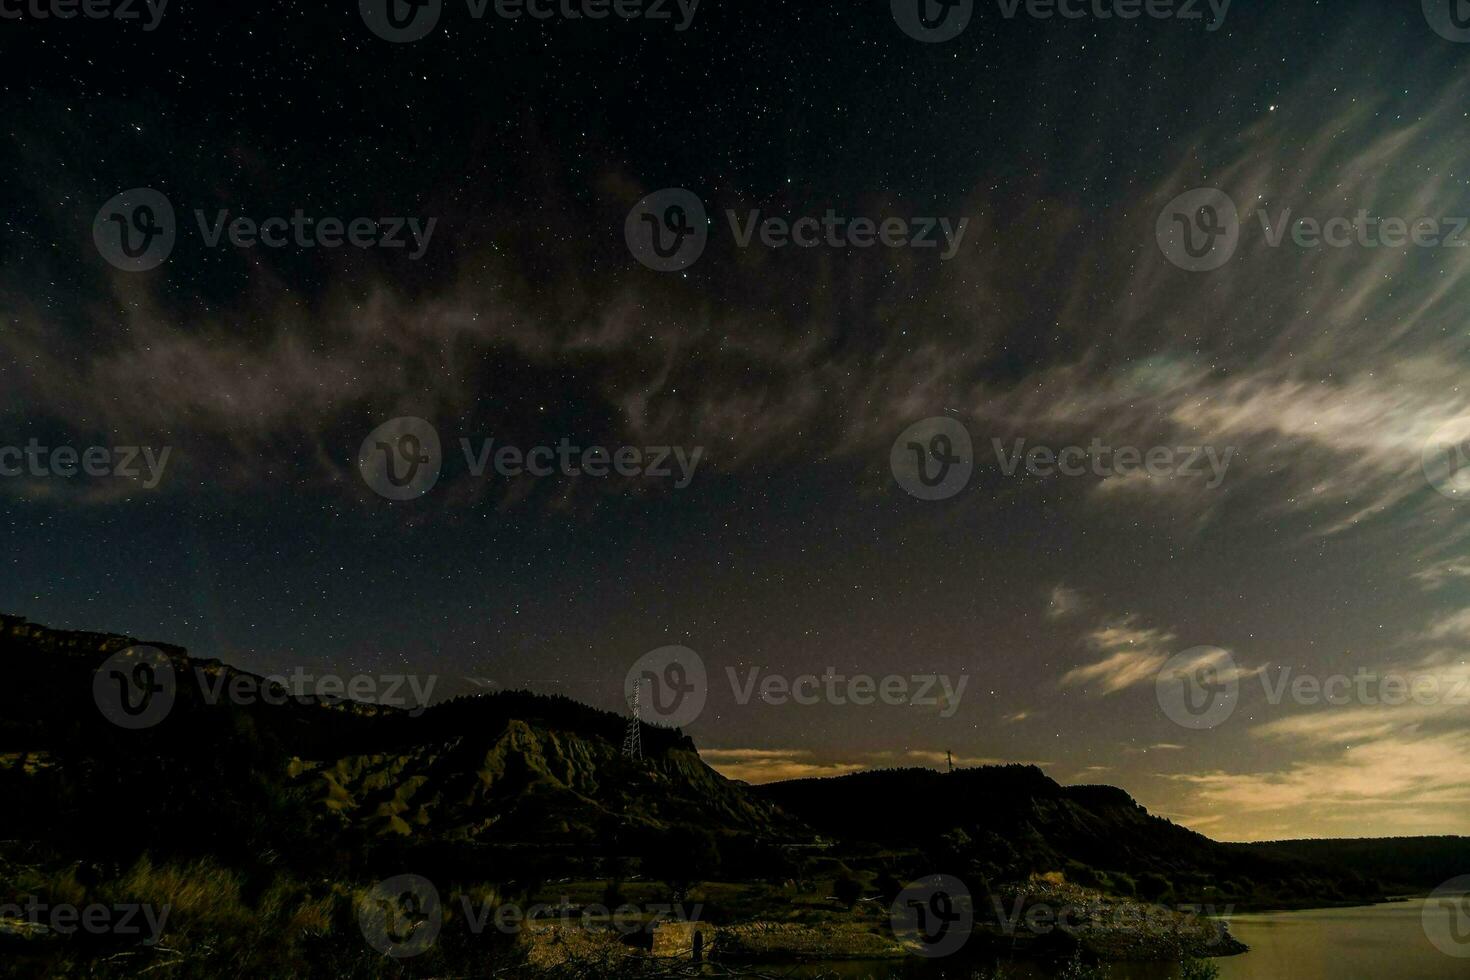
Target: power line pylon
{"points": [[633, 740]]}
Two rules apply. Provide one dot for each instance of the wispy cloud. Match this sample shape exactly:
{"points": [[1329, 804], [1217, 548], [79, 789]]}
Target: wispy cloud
{"points": [[1443, 572], [1132, 655], [773, 765], [1064, 602], [1405, 784], [1392, 761], [1454, 626]]}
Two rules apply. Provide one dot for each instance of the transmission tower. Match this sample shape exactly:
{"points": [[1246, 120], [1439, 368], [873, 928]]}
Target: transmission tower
{"points": [[633, 740]]}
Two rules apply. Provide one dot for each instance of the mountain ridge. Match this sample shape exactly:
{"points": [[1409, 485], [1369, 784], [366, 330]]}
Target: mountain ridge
{"points": [[538, 771]]}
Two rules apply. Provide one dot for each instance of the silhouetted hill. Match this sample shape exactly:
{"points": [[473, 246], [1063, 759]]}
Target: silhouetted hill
{"points": [[316, 778], [1008, 821], [1405, 863], [310, 780]]}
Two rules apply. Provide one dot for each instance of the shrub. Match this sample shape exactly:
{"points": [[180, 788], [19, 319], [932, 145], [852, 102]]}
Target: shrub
{"points": [[847, 889], [1152, 887], [1198, 970]]}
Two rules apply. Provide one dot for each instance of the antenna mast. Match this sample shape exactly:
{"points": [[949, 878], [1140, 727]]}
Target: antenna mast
{"points": [[633, 740]]}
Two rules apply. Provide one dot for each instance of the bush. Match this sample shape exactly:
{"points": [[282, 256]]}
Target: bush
{"points": [[1198, 970], [889, 888], [1152, 887], [688, 855], [1080, 874], [1077, 970]]}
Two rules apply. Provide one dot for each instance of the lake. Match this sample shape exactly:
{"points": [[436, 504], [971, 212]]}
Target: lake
{"points": [[1364, 943], [1371, 942]]}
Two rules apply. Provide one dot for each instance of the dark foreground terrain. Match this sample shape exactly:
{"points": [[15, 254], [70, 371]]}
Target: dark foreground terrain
{"points": [[250, 824]]}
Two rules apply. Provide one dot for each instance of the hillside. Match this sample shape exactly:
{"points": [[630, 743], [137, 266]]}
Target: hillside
{"points": [[312, 776], [1006, 822], [1409, 864], [331, 782]]}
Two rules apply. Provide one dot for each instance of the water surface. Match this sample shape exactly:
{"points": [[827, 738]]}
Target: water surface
{"points": [[1372, 942]]}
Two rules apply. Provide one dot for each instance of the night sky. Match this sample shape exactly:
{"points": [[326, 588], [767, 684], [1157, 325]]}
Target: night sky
{"points": [[794, 548]]}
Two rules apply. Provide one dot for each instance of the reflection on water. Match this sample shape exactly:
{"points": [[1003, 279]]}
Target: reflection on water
{"points": [[953, 969], [1376, 942], [1367, 943]]}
